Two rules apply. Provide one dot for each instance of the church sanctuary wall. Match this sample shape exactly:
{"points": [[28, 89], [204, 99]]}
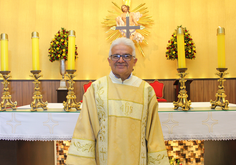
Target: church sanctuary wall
{"points": [[20, 18], [201, 90]]}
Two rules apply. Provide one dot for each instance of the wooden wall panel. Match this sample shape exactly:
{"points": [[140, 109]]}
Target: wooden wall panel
{"points": [[77, 90], [230, 90], [202, 90], [210, 89], [169, 90], [48, 90], [196, 89], [205, 90], [28, 88]]}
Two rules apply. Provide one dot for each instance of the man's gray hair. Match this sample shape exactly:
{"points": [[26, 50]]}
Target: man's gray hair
{"points": [[125, 41]]}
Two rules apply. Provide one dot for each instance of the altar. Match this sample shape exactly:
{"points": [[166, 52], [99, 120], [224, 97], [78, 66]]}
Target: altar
{"points": [[199, 123]]}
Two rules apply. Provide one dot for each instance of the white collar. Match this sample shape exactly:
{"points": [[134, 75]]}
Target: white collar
{"points": [[131, 80]]}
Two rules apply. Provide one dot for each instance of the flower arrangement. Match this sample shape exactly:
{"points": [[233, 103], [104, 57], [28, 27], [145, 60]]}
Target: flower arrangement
{"points": [[190, 48], [59, 46]]}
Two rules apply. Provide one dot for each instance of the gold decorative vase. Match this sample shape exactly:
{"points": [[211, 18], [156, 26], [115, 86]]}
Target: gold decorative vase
{"points": [[63, 72]]}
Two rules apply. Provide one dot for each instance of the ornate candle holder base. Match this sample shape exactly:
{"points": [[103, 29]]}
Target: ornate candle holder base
{"points": [[71, 104], [220, 95], [182, 96], [6, 98], [37, 98]]}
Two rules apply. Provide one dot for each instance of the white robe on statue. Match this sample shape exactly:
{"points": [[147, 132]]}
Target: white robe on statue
{"points": [[118, 125]]}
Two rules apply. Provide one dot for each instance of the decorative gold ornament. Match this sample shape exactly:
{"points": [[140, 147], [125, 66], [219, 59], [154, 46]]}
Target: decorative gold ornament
{"points": [[6, 98], [142, 19], [71, 104], [182, 96], [37, 98], [220, 95]]}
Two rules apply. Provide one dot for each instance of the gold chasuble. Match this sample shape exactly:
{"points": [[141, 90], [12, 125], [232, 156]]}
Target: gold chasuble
{"points": [[118, 125]]}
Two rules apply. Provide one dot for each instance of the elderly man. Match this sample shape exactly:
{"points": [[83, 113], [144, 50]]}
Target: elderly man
{"points": [[119, 122]]}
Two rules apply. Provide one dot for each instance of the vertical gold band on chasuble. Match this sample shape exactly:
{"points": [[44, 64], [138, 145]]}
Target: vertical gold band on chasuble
{"points": [[100, 88], [143, 150]]}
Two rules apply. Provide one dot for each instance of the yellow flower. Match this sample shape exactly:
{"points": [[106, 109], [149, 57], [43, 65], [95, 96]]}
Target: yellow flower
{"points": [[194, 49], [58, 55], [64, 50], [186, 33], [62, 40], [184, 43], [57, 42], [57, 48], [190, 42], [63, 54], [65, 43], [51, 43], [52, 51], [189, 51], [175, 43], [173, 52]]}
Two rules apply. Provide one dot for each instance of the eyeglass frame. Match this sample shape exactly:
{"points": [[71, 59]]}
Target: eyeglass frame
{"points": [[121, 56]]}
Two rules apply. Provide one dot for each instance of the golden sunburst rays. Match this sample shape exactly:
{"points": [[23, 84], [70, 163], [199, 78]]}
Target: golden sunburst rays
{"points": [[117, 6], [145, 21], [126, 2]]}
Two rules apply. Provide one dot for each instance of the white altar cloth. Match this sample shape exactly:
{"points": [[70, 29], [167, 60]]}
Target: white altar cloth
{"points": [[200, 122]]}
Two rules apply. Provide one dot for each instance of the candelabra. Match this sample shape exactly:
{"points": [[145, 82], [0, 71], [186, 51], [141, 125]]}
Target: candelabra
{"points": [[182, 96], [37, 98], [220, 95], [71, 104], [6, 98]]}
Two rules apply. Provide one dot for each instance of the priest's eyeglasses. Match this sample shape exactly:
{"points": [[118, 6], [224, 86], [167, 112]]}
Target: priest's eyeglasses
{"points": [[125, 57]]}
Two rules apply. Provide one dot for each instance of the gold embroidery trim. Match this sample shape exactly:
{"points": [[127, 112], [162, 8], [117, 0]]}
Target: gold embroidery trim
{"points": [[102, 116], [101, 111], [127, 109], [157, 157], [82, 148]]}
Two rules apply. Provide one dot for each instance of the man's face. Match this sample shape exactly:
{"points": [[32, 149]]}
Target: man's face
{"points": [[121, 68]]}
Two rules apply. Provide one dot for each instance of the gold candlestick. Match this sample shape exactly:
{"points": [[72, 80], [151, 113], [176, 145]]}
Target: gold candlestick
{"points": [[6, 98], [37, 98], [71, 98], [182, 96], [220, 95]]}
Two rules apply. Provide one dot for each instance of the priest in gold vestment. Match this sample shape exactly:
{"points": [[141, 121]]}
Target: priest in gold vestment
{"points": [[119, 122]]}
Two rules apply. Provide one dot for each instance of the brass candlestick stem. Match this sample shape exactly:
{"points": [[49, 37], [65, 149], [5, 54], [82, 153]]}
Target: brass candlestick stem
{"points": [[6, 98], [220, 95], [71, 98], [182, 96], [37, 98]]}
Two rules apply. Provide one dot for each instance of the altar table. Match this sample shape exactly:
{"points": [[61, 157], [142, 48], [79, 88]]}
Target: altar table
{"points": [[200, 122]]}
